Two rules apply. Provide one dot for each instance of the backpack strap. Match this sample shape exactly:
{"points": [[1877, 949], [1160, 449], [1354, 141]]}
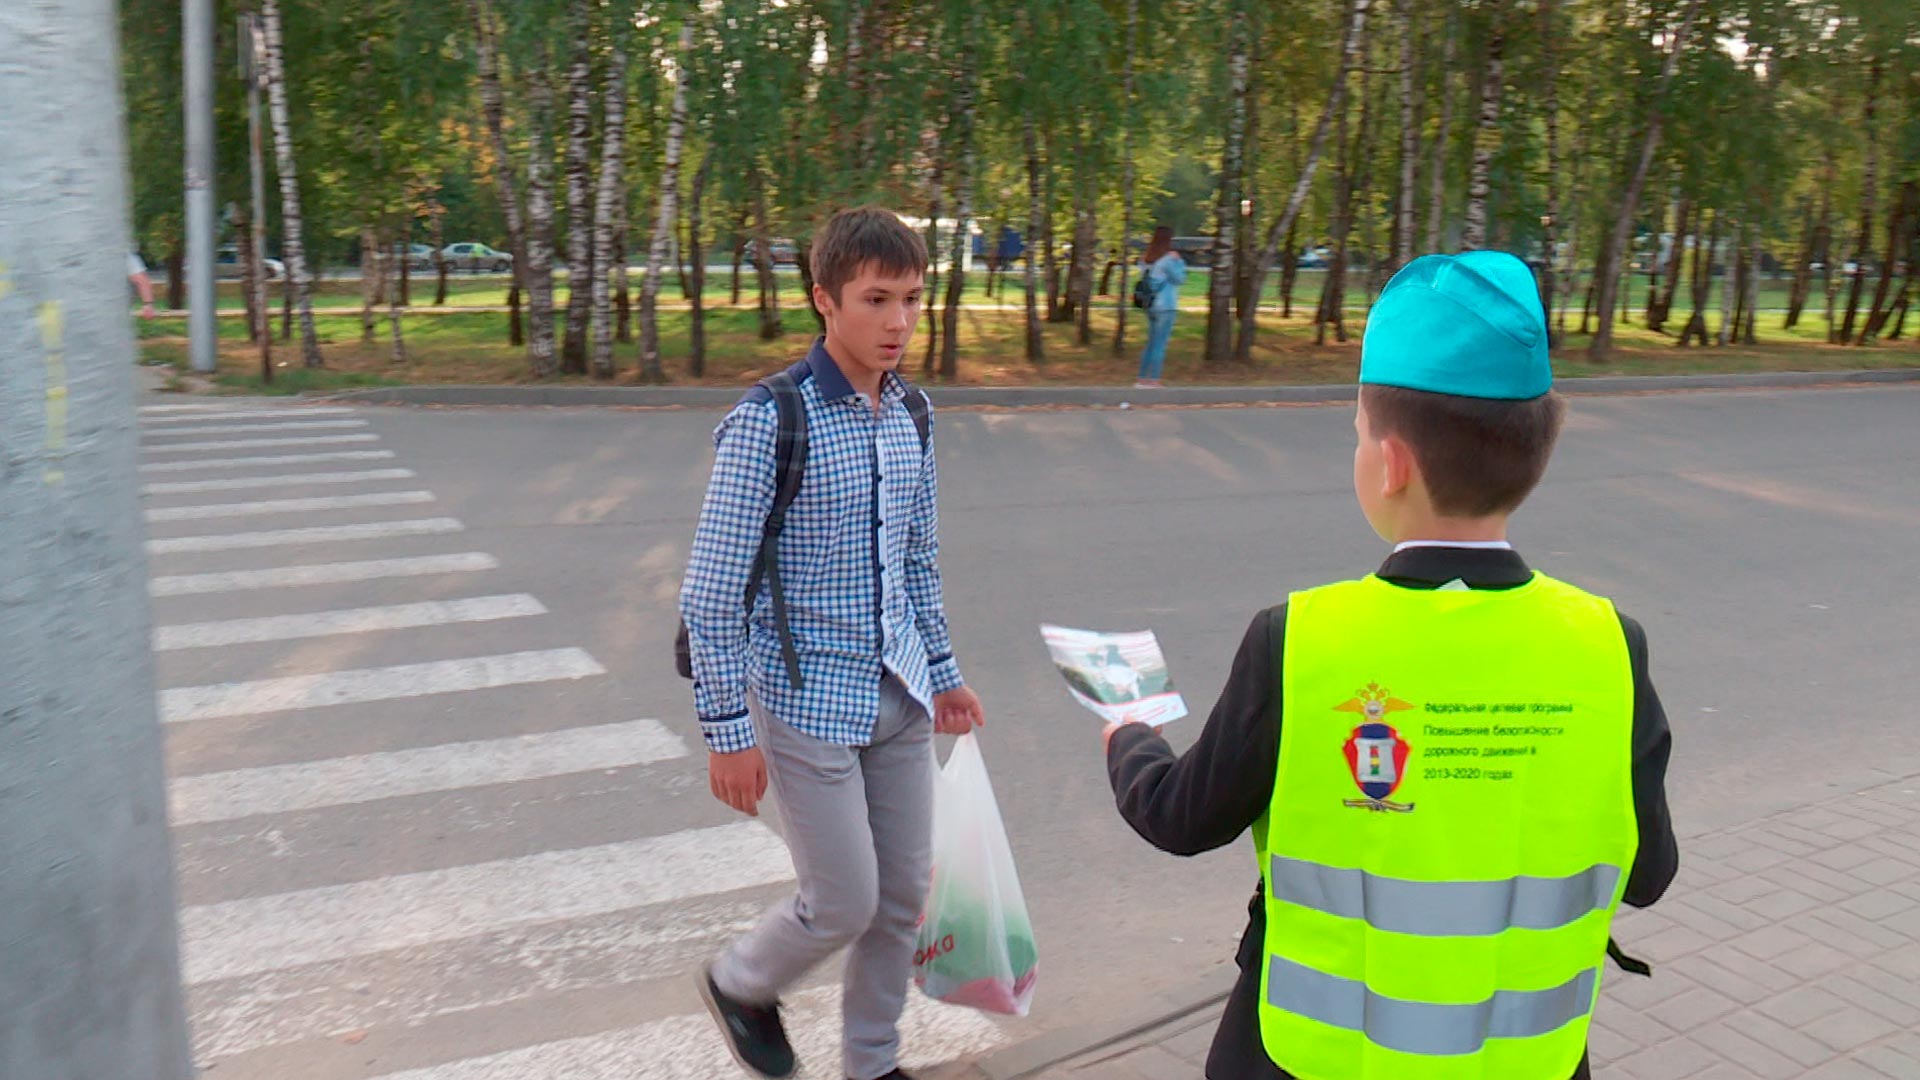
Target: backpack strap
{"points": [[921, 410], [790, 466]]}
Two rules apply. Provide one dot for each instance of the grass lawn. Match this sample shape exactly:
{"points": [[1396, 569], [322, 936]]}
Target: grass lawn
{"points": [[472, 347]]}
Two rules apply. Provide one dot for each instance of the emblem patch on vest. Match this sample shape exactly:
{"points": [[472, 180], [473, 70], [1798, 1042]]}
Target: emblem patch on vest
{"points": [[1376, 754]]}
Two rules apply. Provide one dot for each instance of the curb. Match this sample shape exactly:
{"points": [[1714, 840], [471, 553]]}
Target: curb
{"points": [[1015, 397], [1028, 1059]]}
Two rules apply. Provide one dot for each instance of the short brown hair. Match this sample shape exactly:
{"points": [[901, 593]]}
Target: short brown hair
{"points": [[865, 234], [1477, 456]]}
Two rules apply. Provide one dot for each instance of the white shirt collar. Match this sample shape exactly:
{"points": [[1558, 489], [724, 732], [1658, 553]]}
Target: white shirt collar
{"points": [[1477, 545]]}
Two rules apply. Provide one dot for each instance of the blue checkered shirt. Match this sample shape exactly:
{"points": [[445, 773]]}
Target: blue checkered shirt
{"points": [[857, 559]]}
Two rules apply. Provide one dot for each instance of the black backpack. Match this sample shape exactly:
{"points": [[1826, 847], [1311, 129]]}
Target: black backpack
{"points": [[1143, 292], [790, 466]]}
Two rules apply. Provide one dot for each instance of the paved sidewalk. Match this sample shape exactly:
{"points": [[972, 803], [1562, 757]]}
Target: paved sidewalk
{"points": [[1788, 947]]}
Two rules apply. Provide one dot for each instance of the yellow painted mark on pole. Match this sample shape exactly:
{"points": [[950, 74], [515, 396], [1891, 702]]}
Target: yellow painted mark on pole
{"points": [[6, 280], [52, 338]]}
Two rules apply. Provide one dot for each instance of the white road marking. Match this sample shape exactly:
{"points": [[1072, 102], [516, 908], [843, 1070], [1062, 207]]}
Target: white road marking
{"points": [[406, 987], [202, 464], [261, 507], [214, 413], [319, 534], [245, 444], [689, 1047], [320, 574], [268, 933], [361, 685], [278, 789], [205, 635], [273, 425], [254, 483]]}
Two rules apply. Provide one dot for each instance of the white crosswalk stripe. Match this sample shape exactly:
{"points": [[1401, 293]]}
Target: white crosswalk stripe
{"points": [[254, 483], [689, 1047], [216, 413], [350, 621], [247, 444], [334, 573], [263, 507], [246, 937], [276, 789], [374, 684], [229, 429], [318, 534], [208, 406], [206, 464]]}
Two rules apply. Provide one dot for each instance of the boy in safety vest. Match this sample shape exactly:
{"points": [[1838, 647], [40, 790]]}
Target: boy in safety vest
{"points": [[1454, 769]]}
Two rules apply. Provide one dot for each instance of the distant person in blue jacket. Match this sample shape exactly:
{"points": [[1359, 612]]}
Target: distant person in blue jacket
{"points": [[1164, 271]]}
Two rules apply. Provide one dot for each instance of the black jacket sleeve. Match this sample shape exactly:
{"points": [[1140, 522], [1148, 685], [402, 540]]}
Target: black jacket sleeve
{"points": [[1207, 797], [1659, 856]]}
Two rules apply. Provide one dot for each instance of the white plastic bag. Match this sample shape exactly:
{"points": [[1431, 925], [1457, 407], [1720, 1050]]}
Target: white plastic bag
{"points": [[976, 944]]}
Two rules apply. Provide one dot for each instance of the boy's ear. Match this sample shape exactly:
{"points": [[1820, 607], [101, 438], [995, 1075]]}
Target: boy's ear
{"points": [[822, 299], [1401, 466]]}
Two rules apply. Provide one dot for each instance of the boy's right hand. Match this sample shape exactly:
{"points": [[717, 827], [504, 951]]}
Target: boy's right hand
{"points": [[738, 779]]}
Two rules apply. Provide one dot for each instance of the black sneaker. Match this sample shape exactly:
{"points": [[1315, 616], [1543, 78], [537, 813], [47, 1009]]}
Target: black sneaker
{"points": [[754, 1033], [897, 1074]]}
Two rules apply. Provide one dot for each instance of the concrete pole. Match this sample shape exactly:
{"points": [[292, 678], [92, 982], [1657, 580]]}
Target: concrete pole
{"points": [[89, 964], [198, 47]]}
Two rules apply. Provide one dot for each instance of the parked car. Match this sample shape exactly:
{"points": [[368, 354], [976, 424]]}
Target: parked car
{"points": [[417, 256], [228, 267], [784, 252], [477, 258]]}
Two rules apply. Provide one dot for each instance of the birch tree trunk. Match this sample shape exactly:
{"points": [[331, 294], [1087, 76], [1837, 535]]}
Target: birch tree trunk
{"points": [[1282, 227], [1410, 136], [1226, 216], [1123, 297], [1485, 136], [293, 242], [763, 262], [697, 271], [539, 277], [1729, 272], [1437, 170], [606, 212], [493, 110], [668, 212], [1896, 232], [394, 298], [439, 254], [1869, 198], [581, 270], [1036, 345], [1814, 239], [371, 287], [1614, 253], [966, 166], [1549, 32]]}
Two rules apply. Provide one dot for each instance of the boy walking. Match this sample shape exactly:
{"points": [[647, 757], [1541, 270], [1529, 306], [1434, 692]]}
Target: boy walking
{"points": [[828, 684], [1454, 768]]}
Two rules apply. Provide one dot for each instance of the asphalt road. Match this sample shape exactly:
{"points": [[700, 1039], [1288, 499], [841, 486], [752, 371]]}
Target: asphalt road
{"points": [[416, 907]]}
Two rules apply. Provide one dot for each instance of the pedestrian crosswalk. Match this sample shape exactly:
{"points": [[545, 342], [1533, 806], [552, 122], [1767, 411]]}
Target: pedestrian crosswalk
{"points": [[375, 777]]}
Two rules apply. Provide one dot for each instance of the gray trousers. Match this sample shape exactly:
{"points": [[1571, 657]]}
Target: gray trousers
{"points": [[859, 823]]}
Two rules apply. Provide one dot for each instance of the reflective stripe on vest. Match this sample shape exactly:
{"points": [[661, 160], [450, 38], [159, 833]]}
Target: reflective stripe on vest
{"points": [[1420, 1027], [1450, 830], [1443, 908]]}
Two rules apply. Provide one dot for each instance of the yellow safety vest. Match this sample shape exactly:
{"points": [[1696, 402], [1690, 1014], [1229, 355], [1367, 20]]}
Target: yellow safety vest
{"points": [[1451, 830]]}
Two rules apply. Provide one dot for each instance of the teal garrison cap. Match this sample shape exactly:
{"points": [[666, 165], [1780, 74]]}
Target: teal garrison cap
{"points": [[1468, 324]]}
